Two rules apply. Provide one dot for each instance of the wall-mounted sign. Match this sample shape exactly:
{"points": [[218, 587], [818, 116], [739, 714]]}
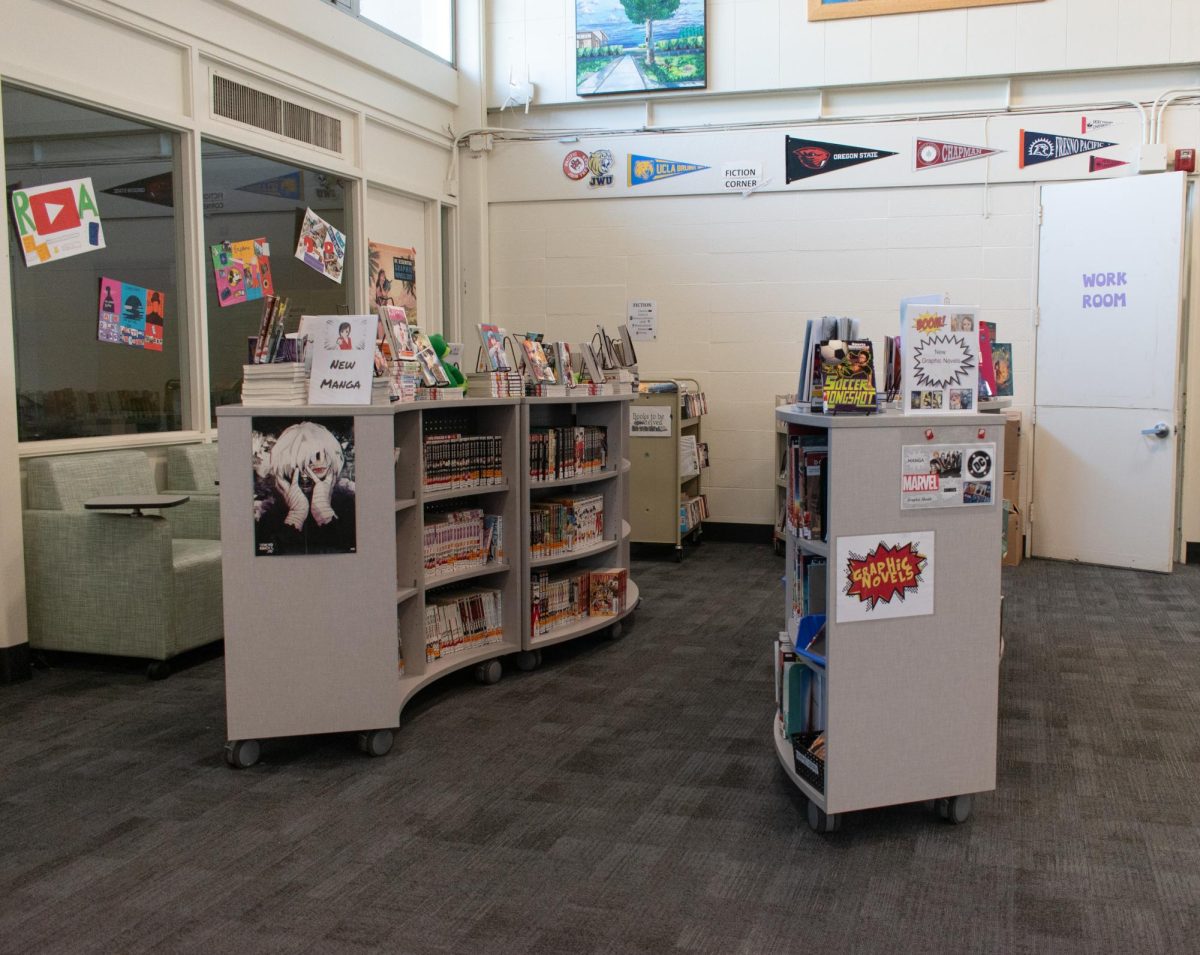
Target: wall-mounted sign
{"points": [[652, 421], [741, 177], [643, 320]]}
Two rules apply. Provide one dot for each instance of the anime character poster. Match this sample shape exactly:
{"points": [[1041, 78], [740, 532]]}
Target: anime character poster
{"points": [[321, 247], [393, 273], [242, 271], [304, 473], [130, 315]]}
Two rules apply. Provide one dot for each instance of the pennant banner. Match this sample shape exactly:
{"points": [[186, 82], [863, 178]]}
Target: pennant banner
{"points": [[1045, 147], [809, 157], [156, 189], [933, 152], [643, 169], [288, 186], [1099, 163]]}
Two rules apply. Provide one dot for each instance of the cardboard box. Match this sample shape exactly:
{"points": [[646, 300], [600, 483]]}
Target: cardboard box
{"points": [[1014, 539], [1012, 487], [1012, 441]]}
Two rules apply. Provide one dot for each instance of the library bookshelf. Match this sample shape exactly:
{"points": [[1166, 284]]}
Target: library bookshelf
{"points": [[336, 642], [659, 483], [907, 701], [609, 483]]}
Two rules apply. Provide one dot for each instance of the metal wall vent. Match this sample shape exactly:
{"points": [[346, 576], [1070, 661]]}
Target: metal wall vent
{"points": [[244, 104]]}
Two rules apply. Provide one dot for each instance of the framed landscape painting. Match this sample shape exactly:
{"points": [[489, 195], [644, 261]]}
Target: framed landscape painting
{"points": [[841, 9], [636, 46]]}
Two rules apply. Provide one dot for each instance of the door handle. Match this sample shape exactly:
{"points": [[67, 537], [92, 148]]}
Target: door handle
{"points": [[1160, 430]]}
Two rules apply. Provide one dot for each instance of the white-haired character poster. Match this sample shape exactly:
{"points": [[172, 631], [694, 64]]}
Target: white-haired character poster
{"points": [[303, 486]]}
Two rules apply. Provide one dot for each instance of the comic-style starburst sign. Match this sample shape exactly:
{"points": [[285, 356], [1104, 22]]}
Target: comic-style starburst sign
{"points": [[884, 573], [942, 361]]}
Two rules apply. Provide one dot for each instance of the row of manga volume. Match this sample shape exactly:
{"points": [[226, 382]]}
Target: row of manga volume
{"points": [[458, 539], [693, 511], [564, 599], [806, 465], [567, 452], [695, 404], [565, 525], [461, 461], [462, 620]]}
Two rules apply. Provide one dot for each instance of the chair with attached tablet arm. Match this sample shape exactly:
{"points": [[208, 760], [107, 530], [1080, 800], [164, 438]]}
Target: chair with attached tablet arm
{"points": [[100, 579]]}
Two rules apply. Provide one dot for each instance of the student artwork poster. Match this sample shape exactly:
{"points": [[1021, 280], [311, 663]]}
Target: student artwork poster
{"points": [[57, 220], [321, 247], [304, 490], [130, 315], [242, 271], [941, 359], [947, 475], [392, 270]]}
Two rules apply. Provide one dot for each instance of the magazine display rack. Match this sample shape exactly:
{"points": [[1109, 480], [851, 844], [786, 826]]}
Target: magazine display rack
{"points": [[610, 550], [336, 642], [898, 699], [659, 484]]}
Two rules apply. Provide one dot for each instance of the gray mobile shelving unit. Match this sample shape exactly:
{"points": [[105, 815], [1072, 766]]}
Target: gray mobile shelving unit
{"points": [[911, 702]]}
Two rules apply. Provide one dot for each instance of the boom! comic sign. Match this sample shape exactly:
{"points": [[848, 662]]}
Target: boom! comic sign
{"points": [[885, 576]]}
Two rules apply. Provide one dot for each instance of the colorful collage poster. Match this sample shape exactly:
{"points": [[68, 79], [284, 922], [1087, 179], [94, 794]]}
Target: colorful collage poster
{"points": [[941, 359], [131, 315], [321, 247], [392, 270], [57, 220], [947, 475], [242, 271], [304, 493]]}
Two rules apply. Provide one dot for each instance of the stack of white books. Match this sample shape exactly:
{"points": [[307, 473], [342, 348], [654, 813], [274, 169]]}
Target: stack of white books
{"points": [[440, 394], [277, 383], [495, 384], [544, 389], [381, 391]]}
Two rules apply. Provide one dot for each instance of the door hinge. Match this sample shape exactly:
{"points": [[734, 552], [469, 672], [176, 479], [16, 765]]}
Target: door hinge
{"points": [[1029, 512], [1037, 316], [1041, 214]]}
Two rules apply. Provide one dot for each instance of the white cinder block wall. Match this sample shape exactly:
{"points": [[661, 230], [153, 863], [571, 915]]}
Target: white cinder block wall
{"points": [[735, 279]]}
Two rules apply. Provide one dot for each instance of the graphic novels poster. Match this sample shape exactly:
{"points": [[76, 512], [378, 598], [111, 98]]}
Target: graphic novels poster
{"points": [[884, 576], [57, 220], [941, 359], [393, 275], [242, 271], [131, 315], [321, 247], [947, 475], [303, 486]]}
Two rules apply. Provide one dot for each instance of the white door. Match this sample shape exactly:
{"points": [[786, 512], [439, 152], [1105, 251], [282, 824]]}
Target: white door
{"points": [[1107, 376]]}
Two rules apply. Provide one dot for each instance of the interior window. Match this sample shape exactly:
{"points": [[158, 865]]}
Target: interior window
{"points": [[106, 237]]}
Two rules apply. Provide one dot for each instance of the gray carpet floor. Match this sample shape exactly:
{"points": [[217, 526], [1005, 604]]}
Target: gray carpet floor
{"points": [[625, 798]]}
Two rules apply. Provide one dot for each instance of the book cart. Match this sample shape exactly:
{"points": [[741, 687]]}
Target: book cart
{"points": [[658, 483], [907, 703], [336, 642], [611, 482]]}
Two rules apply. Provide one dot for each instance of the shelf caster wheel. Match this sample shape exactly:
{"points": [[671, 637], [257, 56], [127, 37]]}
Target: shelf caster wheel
{"points": [[158, 670], [489, 672], [528, 660], [679, 555], [376, 742], [821, 821], [954, 809], [615, 632], [242, 753]]}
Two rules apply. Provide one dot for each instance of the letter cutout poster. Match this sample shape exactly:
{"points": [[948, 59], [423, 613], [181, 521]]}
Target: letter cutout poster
{"points": [[57, 220], [884, 576]]}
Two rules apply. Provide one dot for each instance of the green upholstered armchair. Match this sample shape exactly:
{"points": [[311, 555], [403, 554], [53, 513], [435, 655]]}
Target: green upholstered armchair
{"points": [[102, 582], [192, 469]]}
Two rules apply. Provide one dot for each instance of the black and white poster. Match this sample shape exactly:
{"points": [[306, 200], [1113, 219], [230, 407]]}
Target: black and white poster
{"points": [[304, 502]]}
